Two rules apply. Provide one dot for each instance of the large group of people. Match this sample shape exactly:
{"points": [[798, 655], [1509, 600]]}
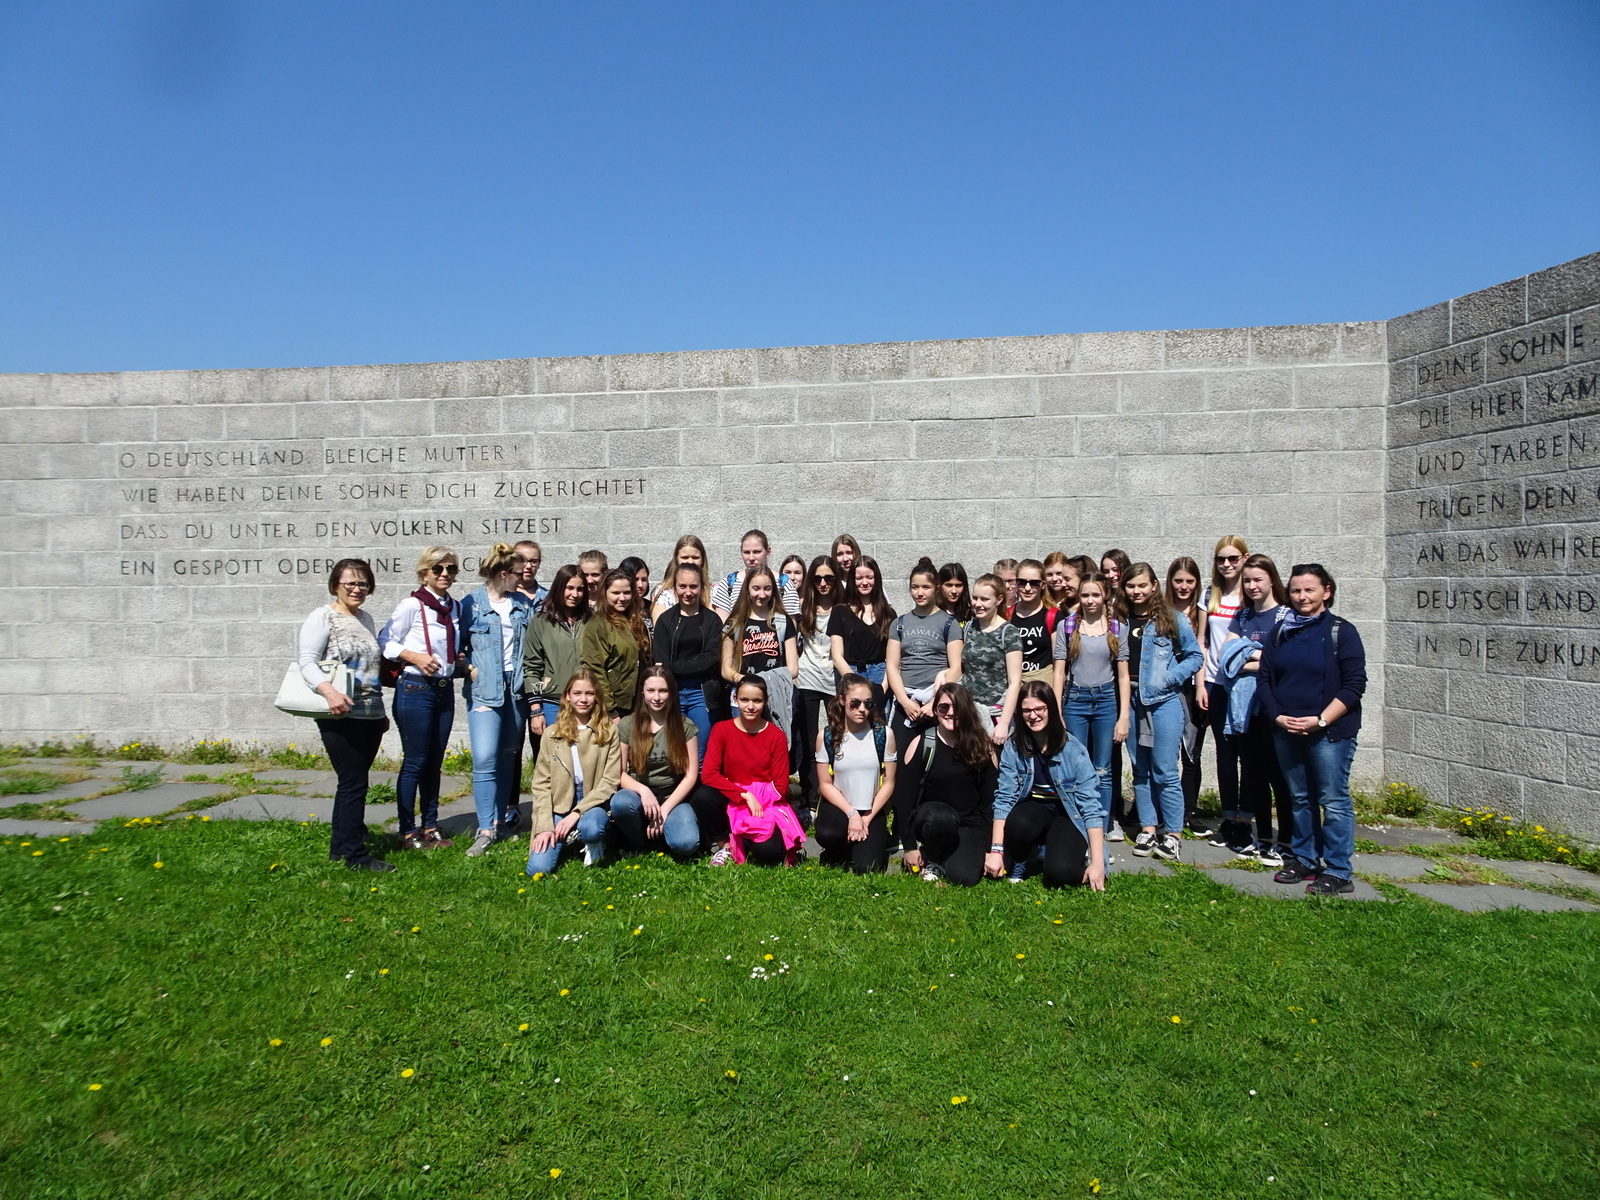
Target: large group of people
{"points": [[982, 733]]}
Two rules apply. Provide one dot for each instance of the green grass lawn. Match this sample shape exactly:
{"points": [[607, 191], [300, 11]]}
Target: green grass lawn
{"points": [[1167, 1039]]}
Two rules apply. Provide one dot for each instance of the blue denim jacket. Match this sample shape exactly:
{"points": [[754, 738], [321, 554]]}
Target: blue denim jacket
{"points": [[1071, 771], [479, 642], [1162, 673]]}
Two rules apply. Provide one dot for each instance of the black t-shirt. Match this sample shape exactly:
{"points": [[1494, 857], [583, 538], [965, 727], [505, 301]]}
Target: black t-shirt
{"points": [[1135, 642], [862, 647], [949, 781], [1035, 631], [761, 645], [1044, 787]]}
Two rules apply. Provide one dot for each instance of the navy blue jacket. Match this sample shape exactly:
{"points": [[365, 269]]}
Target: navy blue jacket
{"points": [[1300, 673]]}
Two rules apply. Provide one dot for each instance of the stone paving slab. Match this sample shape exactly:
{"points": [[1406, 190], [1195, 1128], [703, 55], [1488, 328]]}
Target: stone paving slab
{"points": [[148, 803], [69, 791], [1259, 883], [1204, 854], [1391, 866], [1541, 874], [268, 806], [1406, 835], [325, 785], [1486, 897], [16, 827], [304, 778]]}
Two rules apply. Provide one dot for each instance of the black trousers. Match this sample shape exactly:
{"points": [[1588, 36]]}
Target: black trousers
{"points": [[808, 709], [769, 852], [943, 839], [1261, 779], [711, 812], [1190, 761], [1119, 805], [832, 831], [351, 744], [1034, 823]]}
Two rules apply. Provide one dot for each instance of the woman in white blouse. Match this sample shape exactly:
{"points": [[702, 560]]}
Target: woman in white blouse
{"points": [[422, 635], [353, 730]]}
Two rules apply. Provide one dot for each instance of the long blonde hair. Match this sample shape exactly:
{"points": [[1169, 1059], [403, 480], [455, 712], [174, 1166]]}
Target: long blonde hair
{"points": [[1230, 541], [1056, 558], [601, 727], [1075, 642], [669, 577]]}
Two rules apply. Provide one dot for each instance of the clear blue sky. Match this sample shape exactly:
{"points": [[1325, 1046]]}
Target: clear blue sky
{"points": [[195, 183]]}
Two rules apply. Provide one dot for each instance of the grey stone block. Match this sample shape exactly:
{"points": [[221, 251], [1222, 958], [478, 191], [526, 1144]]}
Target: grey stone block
{"points": [[733, 445], [1488, 311], [1250, 389], [152, 387], [794, 443], [1259, 883], [535, 414], [1126, 864], [1294, 344], [873, 442], [1541, 874], [643, 372], [1571, 392], [1340, 471], [292, 384], [1561, 806], [1583, 335], [398, 418], [191, 423], [1122, 435], [1132, 351], [1340, 387], [1527, 349], [641, 448], [1562, 288], [873, 361], [428, 381], [683, 409], [259, 422], [1251, 474], [323, 779], [1035, 437], [794, 364], [1166, 392], [924, 400], [20, 426], [1071, 395], [832, 404], [1419, 332], [18, 827], [1050, 354], [368, 382], [614, 410], [759, 406], [583, 373], [480, 415], [121, 424], [570, 450], [70, 791], [1299, 430], [717, 368], [1207, 348], [499, 377], [1489, 898], [953, 439], [1363, 341], [224, 387], [992, 398], [942, 360], [22, 390], [1213, 433], [78, 391], [1162, 475]]}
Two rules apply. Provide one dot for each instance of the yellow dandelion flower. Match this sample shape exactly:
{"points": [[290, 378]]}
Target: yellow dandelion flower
{"points": [[416, 929], [731, 1074], [638, 931], [538, 875], [372, 889], [521, 890], [94, 1087], [523, 1028], [25, 843], [383, 970], [1175, 1019], [566, 991], [1020, 957], [159, 865], [407, 1073], [555, 1172], [37, 853], [327, 1041], [933, 987], [768, 957], [205, 817], [958, 1099], [611, 906], [63, 839], [275, 1042], [1057, 921]]}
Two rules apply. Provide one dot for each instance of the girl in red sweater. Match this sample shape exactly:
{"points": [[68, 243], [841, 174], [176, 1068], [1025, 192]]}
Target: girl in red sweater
{"points": [[746, 776]]}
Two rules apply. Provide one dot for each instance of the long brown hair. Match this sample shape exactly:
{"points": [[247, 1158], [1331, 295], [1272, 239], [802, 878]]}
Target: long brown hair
{"points": [[1075, 642], [808, 592], [601, 727], [1056, 558], [671, 723], [882, 611], [962, 609], [633, 623], [555, 608], [970, 743], [743, 605], [1159, 611], [836, 722], [1192, 610], [1262, 562]]}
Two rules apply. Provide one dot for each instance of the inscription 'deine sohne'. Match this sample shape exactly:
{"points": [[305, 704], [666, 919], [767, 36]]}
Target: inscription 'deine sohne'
{"points": [[1525, 350]]}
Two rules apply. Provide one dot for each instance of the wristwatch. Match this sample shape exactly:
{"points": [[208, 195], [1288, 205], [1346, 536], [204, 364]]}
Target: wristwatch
{"points": [[1321, 724]]}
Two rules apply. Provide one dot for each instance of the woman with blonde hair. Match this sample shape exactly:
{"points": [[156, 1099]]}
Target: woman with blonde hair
{"points": [[1222, 601], [688, 549], [492, 623], [421, 635], [579, 767], [1060, 581], [614, 642]]}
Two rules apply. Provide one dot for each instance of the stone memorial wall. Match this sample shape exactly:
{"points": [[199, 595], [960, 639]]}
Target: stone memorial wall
{"points": [[166, 532], [1493, 522]]}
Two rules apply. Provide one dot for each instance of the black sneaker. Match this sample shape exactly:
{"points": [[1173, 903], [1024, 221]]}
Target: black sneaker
{"points": [[511, 822], [1144, 844], [1223, 836], [1295, 871], [1199, 827], [1329, 885], [1169, 847], [366, 862]]}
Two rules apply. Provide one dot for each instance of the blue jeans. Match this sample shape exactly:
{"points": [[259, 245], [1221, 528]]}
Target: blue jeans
{"points": [[1318, 774], [1092, 719], [693, 702], [681, 830], [551, 710], [424, 713], [1157, 781], [496, 734], [872, 672], [591, 832]]}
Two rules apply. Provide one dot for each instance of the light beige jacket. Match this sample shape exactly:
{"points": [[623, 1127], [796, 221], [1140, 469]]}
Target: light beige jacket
{"points": [[554, 786]]}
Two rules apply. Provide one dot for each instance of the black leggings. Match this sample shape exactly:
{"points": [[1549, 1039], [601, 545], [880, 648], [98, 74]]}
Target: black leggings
{"points": [[832, 831], [1261, 778], [1190, 763], [1119, 805], [1035, 823], [808, 707], [769, 852], [944, 840]]}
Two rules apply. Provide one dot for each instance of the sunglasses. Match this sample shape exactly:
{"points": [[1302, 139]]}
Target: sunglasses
{"points": [[1230, 558], [944, 710], [822, 575], [447, 569], [858, 703], [1022, 583]]}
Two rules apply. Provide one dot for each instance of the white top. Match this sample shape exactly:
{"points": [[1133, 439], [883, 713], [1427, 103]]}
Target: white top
{"points": [[816, 660], [577, 764], [330, 634], [405, 632], [855, 766], [726, 590], [503, 607]]}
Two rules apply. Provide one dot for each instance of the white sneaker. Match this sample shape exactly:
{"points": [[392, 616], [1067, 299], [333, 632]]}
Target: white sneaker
{"points": [[721, 857], [1116, 834], [480, 845], [590, 858], [932, 873], [1267, 855]]}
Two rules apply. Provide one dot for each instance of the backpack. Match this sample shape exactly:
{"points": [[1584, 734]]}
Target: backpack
{"points": [[1112, 626]]}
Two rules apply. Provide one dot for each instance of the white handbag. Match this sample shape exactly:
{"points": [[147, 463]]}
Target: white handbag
{"points": [[299, 699]]}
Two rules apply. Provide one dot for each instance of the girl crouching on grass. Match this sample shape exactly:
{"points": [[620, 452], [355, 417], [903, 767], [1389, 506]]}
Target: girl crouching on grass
{"points": [[1049, 798], [944, 794], [855, 757], [660, 768], [579, 767], [747, 768]]}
